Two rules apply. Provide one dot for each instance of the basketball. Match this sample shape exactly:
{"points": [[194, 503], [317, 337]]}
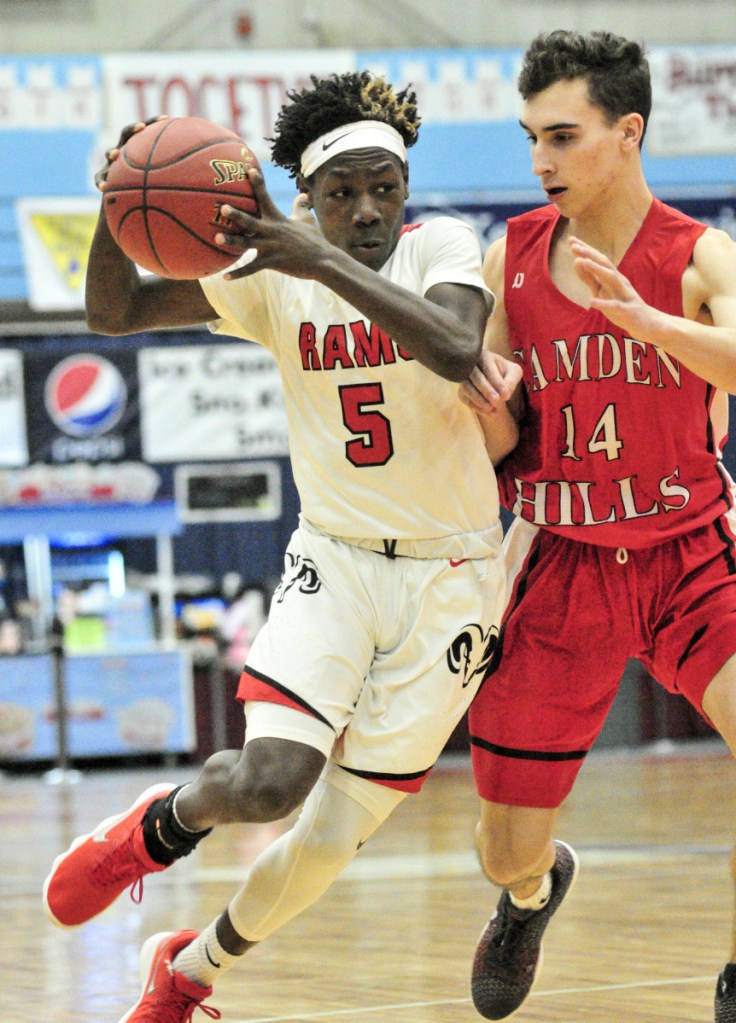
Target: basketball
{"points": [[165, 192]]}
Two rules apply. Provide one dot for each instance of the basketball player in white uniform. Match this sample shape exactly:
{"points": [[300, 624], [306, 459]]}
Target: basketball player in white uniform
{"points": [[387, 612]]}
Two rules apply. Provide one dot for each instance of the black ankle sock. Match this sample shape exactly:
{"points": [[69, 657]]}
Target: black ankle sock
{"points": [[165, 839]]}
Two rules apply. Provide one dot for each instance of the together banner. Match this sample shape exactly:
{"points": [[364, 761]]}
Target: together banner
{"points": [[470, 140]]}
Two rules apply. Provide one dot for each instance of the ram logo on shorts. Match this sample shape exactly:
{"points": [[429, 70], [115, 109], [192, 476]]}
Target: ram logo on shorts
{"points": [[301, 572], [471, 651]]}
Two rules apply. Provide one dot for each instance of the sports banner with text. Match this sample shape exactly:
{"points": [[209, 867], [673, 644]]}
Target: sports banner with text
{"points": [[210, 402]]}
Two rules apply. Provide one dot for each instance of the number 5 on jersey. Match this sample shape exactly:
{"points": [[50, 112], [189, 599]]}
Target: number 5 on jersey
{"points": [[374, 445]]}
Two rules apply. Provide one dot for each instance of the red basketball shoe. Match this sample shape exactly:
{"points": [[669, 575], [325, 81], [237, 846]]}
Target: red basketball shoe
{"points": [[97, 867], [167, 996]]}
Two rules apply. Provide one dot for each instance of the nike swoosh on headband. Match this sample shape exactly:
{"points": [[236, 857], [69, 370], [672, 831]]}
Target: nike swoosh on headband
{"points": [[328, 145]]}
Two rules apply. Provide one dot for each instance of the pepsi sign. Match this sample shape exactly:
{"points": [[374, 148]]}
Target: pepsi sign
{"points": [[82, 406], [85, 395]]}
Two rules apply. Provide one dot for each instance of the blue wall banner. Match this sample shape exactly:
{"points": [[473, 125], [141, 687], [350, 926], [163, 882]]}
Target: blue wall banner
{"points": [[118, 704], [694, 110], [470, 143], [241, 90]]}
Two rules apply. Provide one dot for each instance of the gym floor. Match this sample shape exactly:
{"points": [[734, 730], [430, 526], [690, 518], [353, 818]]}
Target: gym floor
{"points": [[641, 939]]}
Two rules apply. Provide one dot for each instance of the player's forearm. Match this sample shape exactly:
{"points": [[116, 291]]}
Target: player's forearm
{"points": [[111, 284], [708, 351], [435, 336], [119, 301], [500, 433]]}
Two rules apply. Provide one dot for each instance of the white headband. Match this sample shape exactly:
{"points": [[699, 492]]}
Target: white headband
{"points": [[356, 135]]}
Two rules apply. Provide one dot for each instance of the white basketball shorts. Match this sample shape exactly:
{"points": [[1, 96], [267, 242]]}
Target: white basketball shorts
{"points": [[381, 656]]}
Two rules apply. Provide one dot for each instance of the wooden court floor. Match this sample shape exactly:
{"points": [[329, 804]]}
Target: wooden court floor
{"points": [[640, 940]]}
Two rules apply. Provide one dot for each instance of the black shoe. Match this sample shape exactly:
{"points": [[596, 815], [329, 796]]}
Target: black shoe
{"points": [[509, 953], [725, 1005]]}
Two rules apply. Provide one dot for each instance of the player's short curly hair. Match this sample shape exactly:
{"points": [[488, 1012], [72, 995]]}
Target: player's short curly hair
{"points": [[334, 101], [616, 70]]}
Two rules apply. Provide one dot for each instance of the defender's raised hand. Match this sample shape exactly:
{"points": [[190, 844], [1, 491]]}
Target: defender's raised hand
{"points": [[613, 293]]}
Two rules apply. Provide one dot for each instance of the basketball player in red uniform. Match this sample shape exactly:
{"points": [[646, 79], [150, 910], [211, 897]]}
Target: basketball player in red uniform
{"points": [[622, 312]]}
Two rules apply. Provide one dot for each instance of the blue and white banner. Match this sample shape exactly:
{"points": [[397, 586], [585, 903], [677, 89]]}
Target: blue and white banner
{"points": [[116, 705], [211, 402], [59, 114], [242, 91], [694, 108]]}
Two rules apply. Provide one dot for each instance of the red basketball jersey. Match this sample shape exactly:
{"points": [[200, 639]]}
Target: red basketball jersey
{"points": [[617, 447]]}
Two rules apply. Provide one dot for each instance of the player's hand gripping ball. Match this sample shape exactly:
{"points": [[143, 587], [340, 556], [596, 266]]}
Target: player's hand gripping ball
{"points": [[165, 191]]}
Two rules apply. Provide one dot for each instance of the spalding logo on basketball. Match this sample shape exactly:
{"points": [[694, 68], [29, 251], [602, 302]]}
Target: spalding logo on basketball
{"points": [[85, 395], [165, 191]]}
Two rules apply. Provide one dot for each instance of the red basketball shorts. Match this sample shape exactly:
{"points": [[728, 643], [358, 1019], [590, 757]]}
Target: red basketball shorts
{"points": [[577, 612]]}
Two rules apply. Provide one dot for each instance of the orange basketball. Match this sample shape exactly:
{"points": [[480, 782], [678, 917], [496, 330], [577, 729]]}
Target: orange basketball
{"points": [[165, 192]]}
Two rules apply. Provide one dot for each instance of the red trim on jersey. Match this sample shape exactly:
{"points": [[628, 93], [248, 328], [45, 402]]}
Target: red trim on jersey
{"points": [[252, 688], [410, 227], [257, 689], [410, 785], [402, 783]]}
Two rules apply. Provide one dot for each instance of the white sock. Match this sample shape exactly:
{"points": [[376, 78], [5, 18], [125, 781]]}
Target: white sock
{"points": [[204, 960], [539, 899]]}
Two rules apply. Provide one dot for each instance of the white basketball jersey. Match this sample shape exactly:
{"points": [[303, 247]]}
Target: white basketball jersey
{"points": [[381, 446]]}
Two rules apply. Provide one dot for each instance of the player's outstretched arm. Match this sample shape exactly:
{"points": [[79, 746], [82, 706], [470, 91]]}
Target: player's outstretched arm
{"points": [[704, 339], [117, 299]]}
